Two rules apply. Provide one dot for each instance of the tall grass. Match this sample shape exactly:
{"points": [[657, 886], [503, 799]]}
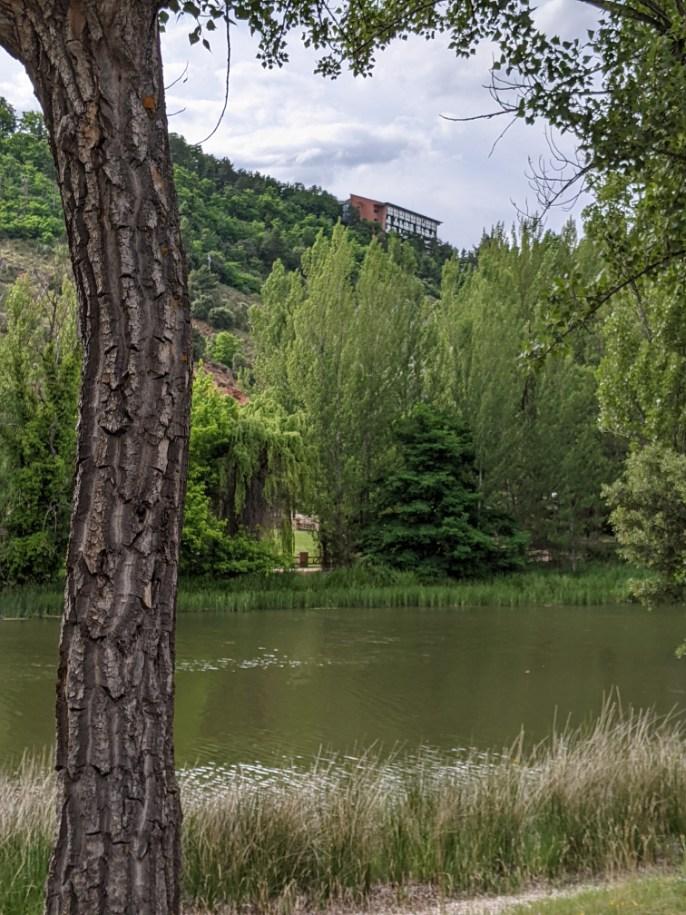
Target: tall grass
{"points": [[599, 801], [27, 802], [592, 585], [26, 601], [595, 585]]}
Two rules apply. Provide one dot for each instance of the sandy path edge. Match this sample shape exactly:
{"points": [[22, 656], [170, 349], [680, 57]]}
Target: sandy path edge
{"points": [[424, 901]]}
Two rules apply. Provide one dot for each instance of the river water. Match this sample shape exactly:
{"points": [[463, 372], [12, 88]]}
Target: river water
{"points": [[273, 689]]}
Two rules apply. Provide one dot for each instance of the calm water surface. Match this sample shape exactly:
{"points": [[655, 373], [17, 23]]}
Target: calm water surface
{"points": [[270, 688]]}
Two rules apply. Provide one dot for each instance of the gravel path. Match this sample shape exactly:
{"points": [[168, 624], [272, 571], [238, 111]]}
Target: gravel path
{"points": [[423, 902]]}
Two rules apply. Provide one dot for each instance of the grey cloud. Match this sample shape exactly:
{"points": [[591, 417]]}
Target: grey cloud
{"points": [[382, 137]]}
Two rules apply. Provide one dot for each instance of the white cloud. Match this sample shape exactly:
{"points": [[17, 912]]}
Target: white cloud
{"points": [[383, 137]]}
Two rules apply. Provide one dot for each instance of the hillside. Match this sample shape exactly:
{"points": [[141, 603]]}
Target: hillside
{"points": [[235, 223]]}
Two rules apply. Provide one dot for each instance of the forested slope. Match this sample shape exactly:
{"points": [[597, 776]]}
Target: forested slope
{"points": [[235, 222]]}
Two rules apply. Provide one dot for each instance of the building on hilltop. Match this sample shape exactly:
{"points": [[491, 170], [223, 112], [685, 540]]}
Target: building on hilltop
{"points": [[391, 217]]}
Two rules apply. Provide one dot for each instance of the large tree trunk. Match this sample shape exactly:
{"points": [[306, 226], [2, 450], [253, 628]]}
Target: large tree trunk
{"points": [[97, 71]]}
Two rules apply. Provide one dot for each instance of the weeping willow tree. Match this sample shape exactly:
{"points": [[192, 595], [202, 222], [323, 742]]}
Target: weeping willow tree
{"points": [[247, 467], [267, 469]]}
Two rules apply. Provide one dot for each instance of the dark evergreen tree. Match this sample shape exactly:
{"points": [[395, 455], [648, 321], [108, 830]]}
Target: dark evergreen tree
{"points": [[428, 516]]}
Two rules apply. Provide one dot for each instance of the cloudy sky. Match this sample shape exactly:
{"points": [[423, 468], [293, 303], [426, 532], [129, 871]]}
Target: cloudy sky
{"points": [[383, 137]]}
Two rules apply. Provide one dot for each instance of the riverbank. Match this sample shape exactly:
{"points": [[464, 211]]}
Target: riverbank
{"points": [[596, 803], [650, 893], [591, 585]]}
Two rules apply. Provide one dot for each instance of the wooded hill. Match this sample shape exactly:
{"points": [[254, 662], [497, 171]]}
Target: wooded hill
{"points": [[236, 222]]}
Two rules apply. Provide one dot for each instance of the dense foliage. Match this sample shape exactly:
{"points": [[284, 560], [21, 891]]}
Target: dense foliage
{"points": [[635, 141], [246, 463], [354, 345], [649, 515], [540, 453], [39, 376], [427, 512], [245, 469], [30, 204], [343, 345]]}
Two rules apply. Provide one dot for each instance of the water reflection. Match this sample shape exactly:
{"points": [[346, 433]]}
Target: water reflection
{"points": [[269, 690]]}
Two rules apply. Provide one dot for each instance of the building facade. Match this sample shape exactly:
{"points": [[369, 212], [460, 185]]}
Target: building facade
{"points": [[393, 218]]}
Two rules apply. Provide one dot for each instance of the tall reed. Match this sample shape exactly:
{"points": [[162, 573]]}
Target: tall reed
{"points": [[594, 585], [599, 801], [347, 588], [27, 801]]}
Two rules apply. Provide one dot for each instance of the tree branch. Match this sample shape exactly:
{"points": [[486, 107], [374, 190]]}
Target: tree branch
{"points": [[227, 79], [9, 40], [629, 12], [479, 117], [595, 306]]}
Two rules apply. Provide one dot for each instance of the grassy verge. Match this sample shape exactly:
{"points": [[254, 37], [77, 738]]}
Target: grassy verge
{"points": [[305, 541], [591, 585], [590, 803], [647, 896]]}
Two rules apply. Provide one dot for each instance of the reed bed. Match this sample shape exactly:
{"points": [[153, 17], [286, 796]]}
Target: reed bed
{"points": [[599, 801], [27, 801], [590, 586], [25, 601]]}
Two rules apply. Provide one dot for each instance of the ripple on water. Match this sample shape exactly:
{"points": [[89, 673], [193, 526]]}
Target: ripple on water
{"points": [[300, 774], [265, 659]]}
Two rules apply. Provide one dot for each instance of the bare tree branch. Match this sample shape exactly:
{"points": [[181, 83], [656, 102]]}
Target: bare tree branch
{"points": [[479, 117], [209, 136], [178, 78], [502, 133]]}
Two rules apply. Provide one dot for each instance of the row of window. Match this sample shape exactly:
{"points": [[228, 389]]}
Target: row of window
{"points": [[417, 225]]}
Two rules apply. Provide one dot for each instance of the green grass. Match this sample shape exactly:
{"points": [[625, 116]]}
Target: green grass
{"points": [[646, 896], [307, 542], [359, 587], [608, 800], [369, 588]]}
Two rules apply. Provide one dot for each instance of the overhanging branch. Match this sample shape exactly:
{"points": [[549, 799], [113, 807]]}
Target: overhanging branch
{"points": [[9, 40], [596, 303]]}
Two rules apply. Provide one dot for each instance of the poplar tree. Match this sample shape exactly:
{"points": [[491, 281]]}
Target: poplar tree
{"points": [[346, 347], [540, 455]]}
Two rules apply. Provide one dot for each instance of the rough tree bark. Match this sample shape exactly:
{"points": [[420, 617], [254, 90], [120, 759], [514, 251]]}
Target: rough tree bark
{"points": [[97, 72]]}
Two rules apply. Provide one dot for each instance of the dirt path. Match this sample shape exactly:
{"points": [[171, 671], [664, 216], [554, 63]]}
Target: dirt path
{"points": [[424, 902], [486, 905]]}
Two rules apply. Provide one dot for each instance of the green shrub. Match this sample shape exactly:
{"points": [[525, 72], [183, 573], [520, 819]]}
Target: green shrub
{"points": [[208, 549], [223, 348], [32, 558], [649, 517], [221, 317]]}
